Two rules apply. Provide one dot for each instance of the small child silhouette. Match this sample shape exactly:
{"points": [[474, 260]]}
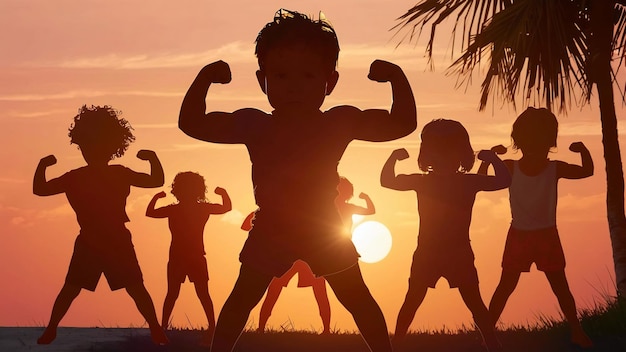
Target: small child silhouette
{"points": [[533, 236], [445, 197], [186, 221], [97, 193], [345, 192], [306, 277], [295, 151]]}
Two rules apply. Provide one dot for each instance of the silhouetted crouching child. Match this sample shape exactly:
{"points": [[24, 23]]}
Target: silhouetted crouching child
{"points": [[295, 151], [445, 198], [97, 192], [533, 236], [186, 221]]}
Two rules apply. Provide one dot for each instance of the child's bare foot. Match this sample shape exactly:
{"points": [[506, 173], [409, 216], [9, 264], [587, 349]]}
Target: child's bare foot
{"points": [[581, 339], [158, 336], [48, 336]]}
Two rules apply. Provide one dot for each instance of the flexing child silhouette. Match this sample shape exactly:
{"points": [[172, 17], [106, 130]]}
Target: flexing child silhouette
{"points": [[306, 277], [445, 197], [533, 236], [97, 192], [186, 220], [295, 151], [345, 192]]}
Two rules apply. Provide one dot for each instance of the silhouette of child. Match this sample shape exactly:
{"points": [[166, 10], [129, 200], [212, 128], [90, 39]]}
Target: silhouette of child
{"points": [[306, 278], [345, 191], [186, 221], [533, 236], [445, 197], [295, 151], [97, 192]]}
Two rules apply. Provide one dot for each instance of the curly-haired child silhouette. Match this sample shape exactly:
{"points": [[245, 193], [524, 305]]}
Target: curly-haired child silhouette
{"points": [[97, 192], [295, 151], [306, 278], [445, 197], [533, 235], [186, 220]]}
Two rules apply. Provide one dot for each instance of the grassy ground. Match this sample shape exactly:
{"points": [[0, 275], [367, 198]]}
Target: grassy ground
{"points": [[606, 325]]}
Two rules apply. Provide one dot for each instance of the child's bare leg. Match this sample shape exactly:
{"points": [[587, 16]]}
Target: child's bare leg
{"points": [[506, 286], [144, 304], [353, 294], [61, 305], [560, 287], [173, 289], [319, 290], [473, 301], [246, 294], [202, 290], [273, 291], [412, 301]]}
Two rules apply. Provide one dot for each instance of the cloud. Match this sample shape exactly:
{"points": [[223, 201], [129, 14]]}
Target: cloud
{"points": [[234, 52], [234, 217], [351, 55]]}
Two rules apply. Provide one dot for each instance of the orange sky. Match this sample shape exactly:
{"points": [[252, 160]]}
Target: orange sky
{"points": [[140, 58]]}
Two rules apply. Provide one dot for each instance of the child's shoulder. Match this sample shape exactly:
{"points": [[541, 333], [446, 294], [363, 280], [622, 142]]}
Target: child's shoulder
{"points": [[251, 113], [342, 110]]}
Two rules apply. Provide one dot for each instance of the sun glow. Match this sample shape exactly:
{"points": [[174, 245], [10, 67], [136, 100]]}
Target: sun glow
{"points": [[372, 240]]}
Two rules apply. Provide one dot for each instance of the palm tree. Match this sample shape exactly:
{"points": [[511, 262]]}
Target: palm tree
{"points": [[553, 51]]}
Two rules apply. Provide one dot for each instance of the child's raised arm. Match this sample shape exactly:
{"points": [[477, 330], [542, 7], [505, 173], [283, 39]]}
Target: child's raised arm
{"points": [[502, 178], [226, 205], [369, 205], [156, 213], [571, 171], [388, 176], [381, 125], [218, 127], [484, 166], [156, 178], [41, 187]]}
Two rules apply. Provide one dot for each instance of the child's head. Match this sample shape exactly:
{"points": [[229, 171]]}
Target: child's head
{"points": [[100, 133], [345, 189], [297, 58], [290, 29], [535, 130], [445, 147], [189, 186]]}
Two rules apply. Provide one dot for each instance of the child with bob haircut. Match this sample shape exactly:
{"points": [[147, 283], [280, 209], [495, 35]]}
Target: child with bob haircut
{"points": [[97, 192], [186, 220], [445, 197], [295, 151], [533, 235]]}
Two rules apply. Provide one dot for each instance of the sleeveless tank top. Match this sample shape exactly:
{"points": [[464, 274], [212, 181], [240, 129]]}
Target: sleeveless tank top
{"points": [[533, 198]]}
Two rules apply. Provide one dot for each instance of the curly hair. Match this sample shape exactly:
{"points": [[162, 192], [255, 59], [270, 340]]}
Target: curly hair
{"points": [[536, 127], [293, 28], [189, 184], [448, 139], [101, 126]]}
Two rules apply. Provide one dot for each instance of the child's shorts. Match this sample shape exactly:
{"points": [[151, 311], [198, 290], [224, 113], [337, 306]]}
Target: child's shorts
{"points": [[457, 266], [111, 254], [276, 241], [542, 247], [194, 267]]}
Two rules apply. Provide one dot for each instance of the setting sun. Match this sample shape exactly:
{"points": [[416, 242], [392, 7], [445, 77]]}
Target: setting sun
{"points": [[372, 240]]}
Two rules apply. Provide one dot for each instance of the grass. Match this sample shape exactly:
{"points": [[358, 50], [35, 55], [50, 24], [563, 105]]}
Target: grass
{"points": [[605, 323]]}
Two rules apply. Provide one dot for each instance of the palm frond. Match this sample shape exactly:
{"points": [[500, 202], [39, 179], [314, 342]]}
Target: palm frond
{"points": [[538, 44], [470, 14]]}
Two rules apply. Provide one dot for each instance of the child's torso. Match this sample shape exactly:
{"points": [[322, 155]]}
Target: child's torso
{"points": [[533, 199]]}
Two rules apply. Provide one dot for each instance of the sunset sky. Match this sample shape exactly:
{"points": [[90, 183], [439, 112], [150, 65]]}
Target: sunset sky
{"points": [[140, 57]]}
